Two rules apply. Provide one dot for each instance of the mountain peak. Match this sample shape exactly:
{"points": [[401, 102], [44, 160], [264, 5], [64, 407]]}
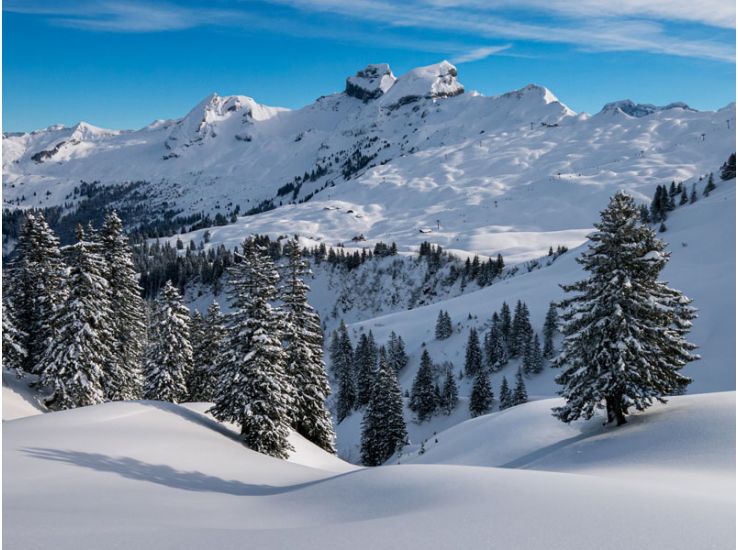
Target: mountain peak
{"points": [[429, 82], [639, 110], [371, 82]]}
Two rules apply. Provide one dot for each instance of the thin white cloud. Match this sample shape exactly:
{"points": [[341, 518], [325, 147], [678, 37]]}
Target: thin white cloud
{"points": [[591, 25], [479, 53]]}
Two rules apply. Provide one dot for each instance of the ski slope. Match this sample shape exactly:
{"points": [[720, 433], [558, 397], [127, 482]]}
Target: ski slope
{"points": [[162, 476]]}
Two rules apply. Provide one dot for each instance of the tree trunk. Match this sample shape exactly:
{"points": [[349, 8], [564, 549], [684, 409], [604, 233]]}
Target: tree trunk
{"points": [[615, 412]]}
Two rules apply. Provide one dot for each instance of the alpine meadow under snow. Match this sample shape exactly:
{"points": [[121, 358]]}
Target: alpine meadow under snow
{"points": [[404, 316]]}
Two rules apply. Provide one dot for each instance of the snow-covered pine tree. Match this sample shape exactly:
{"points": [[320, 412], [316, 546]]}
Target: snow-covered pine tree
{"points": [[422, 396], [727, 170], [365, 367], [35, 287], [506, 397], [383, 430], [506, 326], [396, 353], [254, 390], [521, 332], [520, 393], [199, 382], [473, 358], [494, 349], [710, 187], [169, 358], [123, 375], [449, 393], [341, 352], [480, 400], [444, 328], [14, 353], [683, 197], [73, 366], [550, 328], [624, 329], [303, 338], [693, 194], [533, 358]]}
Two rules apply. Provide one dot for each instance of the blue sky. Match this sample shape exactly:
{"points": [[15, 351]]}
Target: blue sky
{"points": [[121, 64]]}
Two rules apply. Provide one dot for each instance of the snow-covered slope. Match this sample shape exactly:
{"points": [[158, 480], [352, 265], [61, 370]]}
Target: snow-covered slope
{"points": [[153, 475], [18, 399]]}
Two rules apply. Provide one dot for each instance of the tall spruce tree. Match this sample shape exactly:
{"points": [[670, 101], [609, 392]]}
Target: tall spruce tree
{"points": [[254, 390], [494, 349], [506, 326], [207, 335], [624, 329], [383, 430], [365, 366], [480, 400], [123, 377], [727, 170], [444, 328], [35, 286], [533, 358], [520, 393], [342, 365], [693, 194], [396, 354], [521, 332], [422, 396], [74, 364], [550, 328], [303, 337], [169, 358], [710, 187], [449, 393], [473, 359], [506, 396], [14, 352]]}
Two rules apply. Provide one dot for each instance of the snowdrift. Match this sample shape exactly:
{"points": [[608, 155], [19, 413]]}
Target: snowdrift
{"points": [[160, 476]]}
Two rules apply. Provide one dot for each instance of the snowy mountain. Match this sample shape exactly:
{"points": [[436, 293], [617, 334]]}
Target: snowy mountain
{"points": [[405, 154]]}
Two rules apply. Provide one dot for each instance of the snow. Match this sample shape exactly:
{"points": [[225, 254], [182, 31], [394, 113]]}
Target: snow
{"points": [[18, 399], [155, 475]]}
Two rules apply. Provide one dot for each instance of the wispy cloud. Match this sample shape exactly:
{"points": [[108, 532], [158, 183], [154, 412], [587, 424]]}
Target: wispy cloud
{"points": [[591, 25], [479, 53]]}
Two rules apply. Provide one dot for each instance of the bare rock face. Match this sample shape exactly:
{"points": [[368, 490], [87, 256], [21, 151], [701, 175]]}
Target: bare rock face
{"points": [[371, 82]]}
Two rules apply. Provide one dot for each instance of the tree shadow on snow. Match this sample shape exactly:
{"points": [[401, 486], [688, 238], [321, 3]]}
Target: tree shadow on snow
{"points": [[161, 474]]}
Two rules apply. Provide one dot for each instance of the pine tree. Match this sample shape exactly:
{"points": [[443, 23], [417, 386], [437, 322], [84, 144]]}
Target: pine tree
{"points": [[727, 171], [683, 197], [123, 377], [522, 331], [520, 394], [422, 396], [253, 388], [550, 328], [494, 349], [506, 326], [304, 349], [444, 328], [480, 401], [169, 358], [82, 345], [710, 187], [341, 352], [365, 365], [506, 397], [35, 288], [533, 358], [473, 361], [207, 336], [624, 329], [383, 431], [396, 354], [449, 393], [645, 214], [693, 194], [13, 337]]}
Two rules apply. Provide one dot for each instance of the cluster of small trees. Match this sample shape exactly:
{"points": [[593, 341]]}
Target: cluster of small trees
{"points": [[481, 399], [367, 377], [428, 397]]}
